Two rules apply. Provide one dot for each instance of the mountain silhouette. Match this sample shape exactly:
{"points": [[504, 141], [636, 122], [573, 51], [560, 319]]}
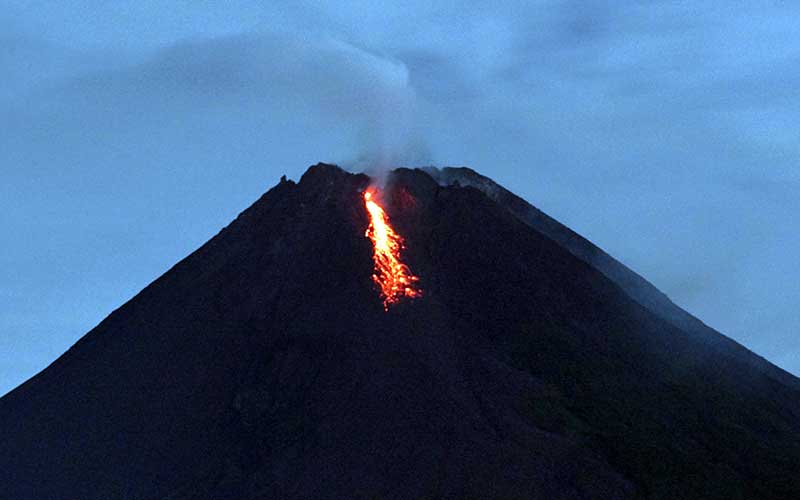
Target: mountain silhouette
{"points": [[533, 365]]}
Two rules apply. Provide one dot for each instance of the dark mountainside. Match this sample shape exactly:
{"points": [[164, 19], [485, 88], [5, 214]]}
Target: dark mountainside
{"points": [[638, 288], [264, 366]]}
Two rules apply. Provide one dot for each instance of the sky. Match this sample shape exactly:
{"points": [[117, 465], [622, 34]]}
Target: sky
{"points": [[666, 132]]}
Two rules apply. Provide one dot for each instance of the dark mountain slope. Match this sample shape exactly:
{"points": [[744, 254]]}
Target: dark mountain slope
{"points": [[633, 284], [264, 366]]}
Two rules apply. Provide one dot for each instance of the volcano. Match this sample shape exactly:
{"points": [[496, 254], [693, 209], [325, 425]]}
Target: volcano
{"points": [[267, 365]]}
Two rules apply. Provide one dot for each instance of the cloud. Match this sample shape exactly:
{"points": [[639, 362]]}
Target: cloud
{"points": [[324, 83]]}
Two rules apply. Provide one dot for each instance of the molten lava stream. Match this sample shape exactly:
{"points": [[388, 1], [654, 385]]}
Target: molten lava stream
{"points": [[392, 276]]}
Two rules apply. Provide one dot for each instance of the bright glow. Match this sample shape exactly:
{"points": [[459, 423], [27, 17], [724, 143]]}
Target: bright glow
{"points": [[391, 275]]}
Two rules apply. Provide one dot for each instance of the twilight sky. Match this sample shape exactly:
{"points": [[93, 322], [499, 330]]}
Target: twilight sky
{"points": [[666, 132]]}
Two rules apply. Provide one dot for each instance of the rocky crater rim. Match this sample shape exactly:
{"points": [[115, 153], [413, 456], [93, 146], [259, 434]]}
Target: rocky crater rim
{"points": [[444, 176]]}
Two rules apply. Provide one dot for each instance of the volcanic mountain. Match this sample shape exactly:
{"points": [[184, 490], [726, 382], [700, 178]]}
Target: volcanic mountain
{"points": [[528, 364]]}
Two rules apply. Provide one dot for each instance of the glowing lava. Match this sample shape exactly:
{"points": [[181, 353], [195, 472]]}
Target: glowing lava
{"points": [[391, 275]]}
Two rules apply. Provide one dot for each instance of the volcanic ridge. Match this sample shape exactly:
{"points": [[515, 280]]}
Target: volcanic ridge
{"points": [[492, 353]]}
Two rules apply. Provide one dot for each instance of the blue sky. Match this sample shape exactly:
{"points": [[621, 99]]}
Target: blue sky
{"points": [[131, 132]]}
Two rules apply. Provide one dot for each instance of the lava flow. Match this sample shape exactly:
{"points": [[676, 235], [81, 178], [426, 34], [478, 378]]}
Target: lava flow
{"points": [[392, 276]]}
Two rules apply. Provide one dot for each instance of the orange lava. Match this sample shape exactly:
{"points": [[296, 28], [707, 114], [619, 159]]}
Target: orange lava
{"points": [[392, 276]]}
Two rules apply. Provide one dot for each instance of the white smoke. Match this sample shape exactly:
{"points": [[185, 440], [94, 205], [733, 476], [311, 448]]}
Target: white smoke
{"points": [[366, 93], [391, 134]]}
